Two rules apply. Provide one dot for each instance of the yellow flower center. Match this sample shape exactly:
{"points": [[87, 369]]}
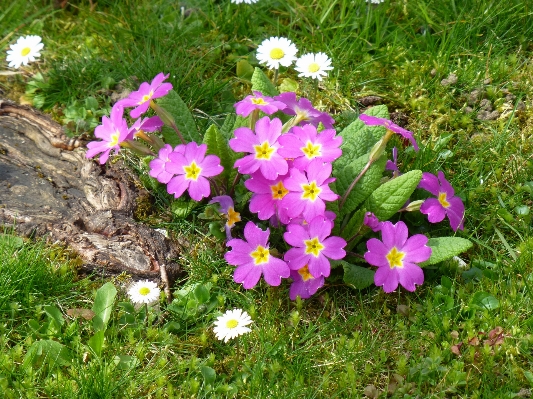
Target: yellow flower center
{"points": [[313, 246], [313, 67], [260, 255], [146, 97], [311, 191], [232, 323], [25, 51], [443, 200], [276, 53], [114, 139], [312, 150], [144, 291], [395, 257], [192, 172], [304, 272], [278, 191], [233, 217], [263, 151], [258, 101]]}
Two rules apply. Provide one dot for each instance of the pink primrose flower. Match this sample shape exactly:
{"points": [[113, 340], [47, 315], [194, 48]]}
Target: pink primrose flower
{"points": [[158, 166], [141, 98], [308, 191], [304, 144], [304, 284], [397, 256], [258, 101], [267, 196], [446, 203], [263, 148], [253, 259], [304, 111], [227, 209], [372, 221], [145, 124], [313, 247], [112, 131], [393, 165], [374, 121], [192, 168]]}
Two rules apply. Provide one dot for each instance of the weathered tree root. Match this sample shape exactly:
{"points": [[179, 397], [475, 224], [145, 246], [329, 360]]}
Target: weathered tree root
{"points": [[48, 188]]}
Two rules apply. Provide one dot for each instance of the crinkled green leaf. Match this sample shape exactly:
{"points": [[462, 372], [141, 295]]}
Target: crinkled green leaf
{"points": [[389, 198], [49, 351], [484, 300], [262, 83], [443, 248], [357, 140], [182, 207], [364, 187], [103, 305], [353, 227], [173, 104], [358, 277], [218, 145], [227, 127]]}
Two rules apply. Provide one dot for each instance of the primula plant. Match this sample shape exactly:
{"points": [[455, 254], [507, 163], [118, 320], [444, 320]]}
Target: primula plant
{"points": [[292, 197]]}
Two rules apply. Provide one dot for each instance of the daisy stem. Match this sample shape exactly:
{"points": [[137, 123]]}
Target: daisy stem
{"points": [[315, 91], [237, 356], [145, 313], [276, 71], [345, 196]]}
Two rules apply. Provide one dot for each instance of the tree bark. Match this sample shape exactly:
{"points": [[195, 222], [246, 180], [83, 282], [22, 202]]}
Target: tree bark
{"points": [[48, 188]]}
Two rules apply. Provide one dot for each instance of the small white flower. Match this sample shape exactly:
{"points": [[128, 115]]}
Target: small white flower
{"points": [[144, 292], [26, 49], [375, 1], [232, 324], [313, 65], [276, 51], [244, 1]]}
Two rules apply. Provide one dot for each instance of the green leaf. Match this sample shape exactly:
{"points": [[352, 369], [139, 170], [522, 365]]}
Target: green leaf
{"points": [[357, 140], [287, 85], [55, 314], [125, 362], [484, 300], [218, 145], [47, 351], [364, 187], [244, 70], [356, 276], [227, 127], [443, 248], [353, 227], [103, 305], [209, 375], [96, 342], [260, 82], [173, 104], [389, 198], [182, 208], [11, 241], [380, 111], [91, 103], [201, 293]]}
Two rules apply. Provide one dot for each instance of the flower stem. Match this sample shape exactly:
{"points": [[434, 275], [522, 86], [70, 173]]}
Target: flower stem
{"points": [[235, 181], [237, 356], [276, 72], [345, 196]]}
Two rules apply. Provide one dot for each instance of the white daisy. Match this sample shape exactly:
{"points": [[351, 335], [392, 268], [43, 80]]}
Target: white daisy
{"points": [[375, 1], [313, 65], [276, 51], [244, 1], [25, 50], [232, 324], [144, 292]]}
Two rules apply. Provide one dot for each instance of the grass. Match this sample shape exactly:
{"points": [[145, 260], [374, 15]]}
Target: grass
{"points": [[342, 343]]}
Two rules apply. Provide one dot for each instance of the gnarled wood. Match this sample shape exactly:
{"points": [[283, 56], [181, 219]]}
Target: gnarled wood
{"points": [[48, 187]]}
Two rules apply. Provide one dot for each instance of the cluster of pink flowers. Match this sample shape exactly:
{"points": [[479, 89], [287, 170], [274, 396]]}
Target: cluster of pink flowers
{"points": [[288, 168]]}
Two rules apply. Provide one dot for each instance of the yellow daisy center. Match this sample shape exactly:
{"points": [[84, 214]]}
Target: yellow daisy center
{"points": [[263, 151], [313, 67], [311, 191], [312, 150], [25, 51], [260, 255], [278, 191], [144, 291], [233, 217], [395, 258], [258, 101], [443, 200], [313, 246], [304, 272], [276, 53], [114, 139], [232, 323], [192, 172], [146, 97]]}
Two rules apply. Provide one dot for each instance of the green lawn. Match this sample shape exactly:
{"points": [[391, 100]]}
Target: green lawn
{"points": [[442, 67]]}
